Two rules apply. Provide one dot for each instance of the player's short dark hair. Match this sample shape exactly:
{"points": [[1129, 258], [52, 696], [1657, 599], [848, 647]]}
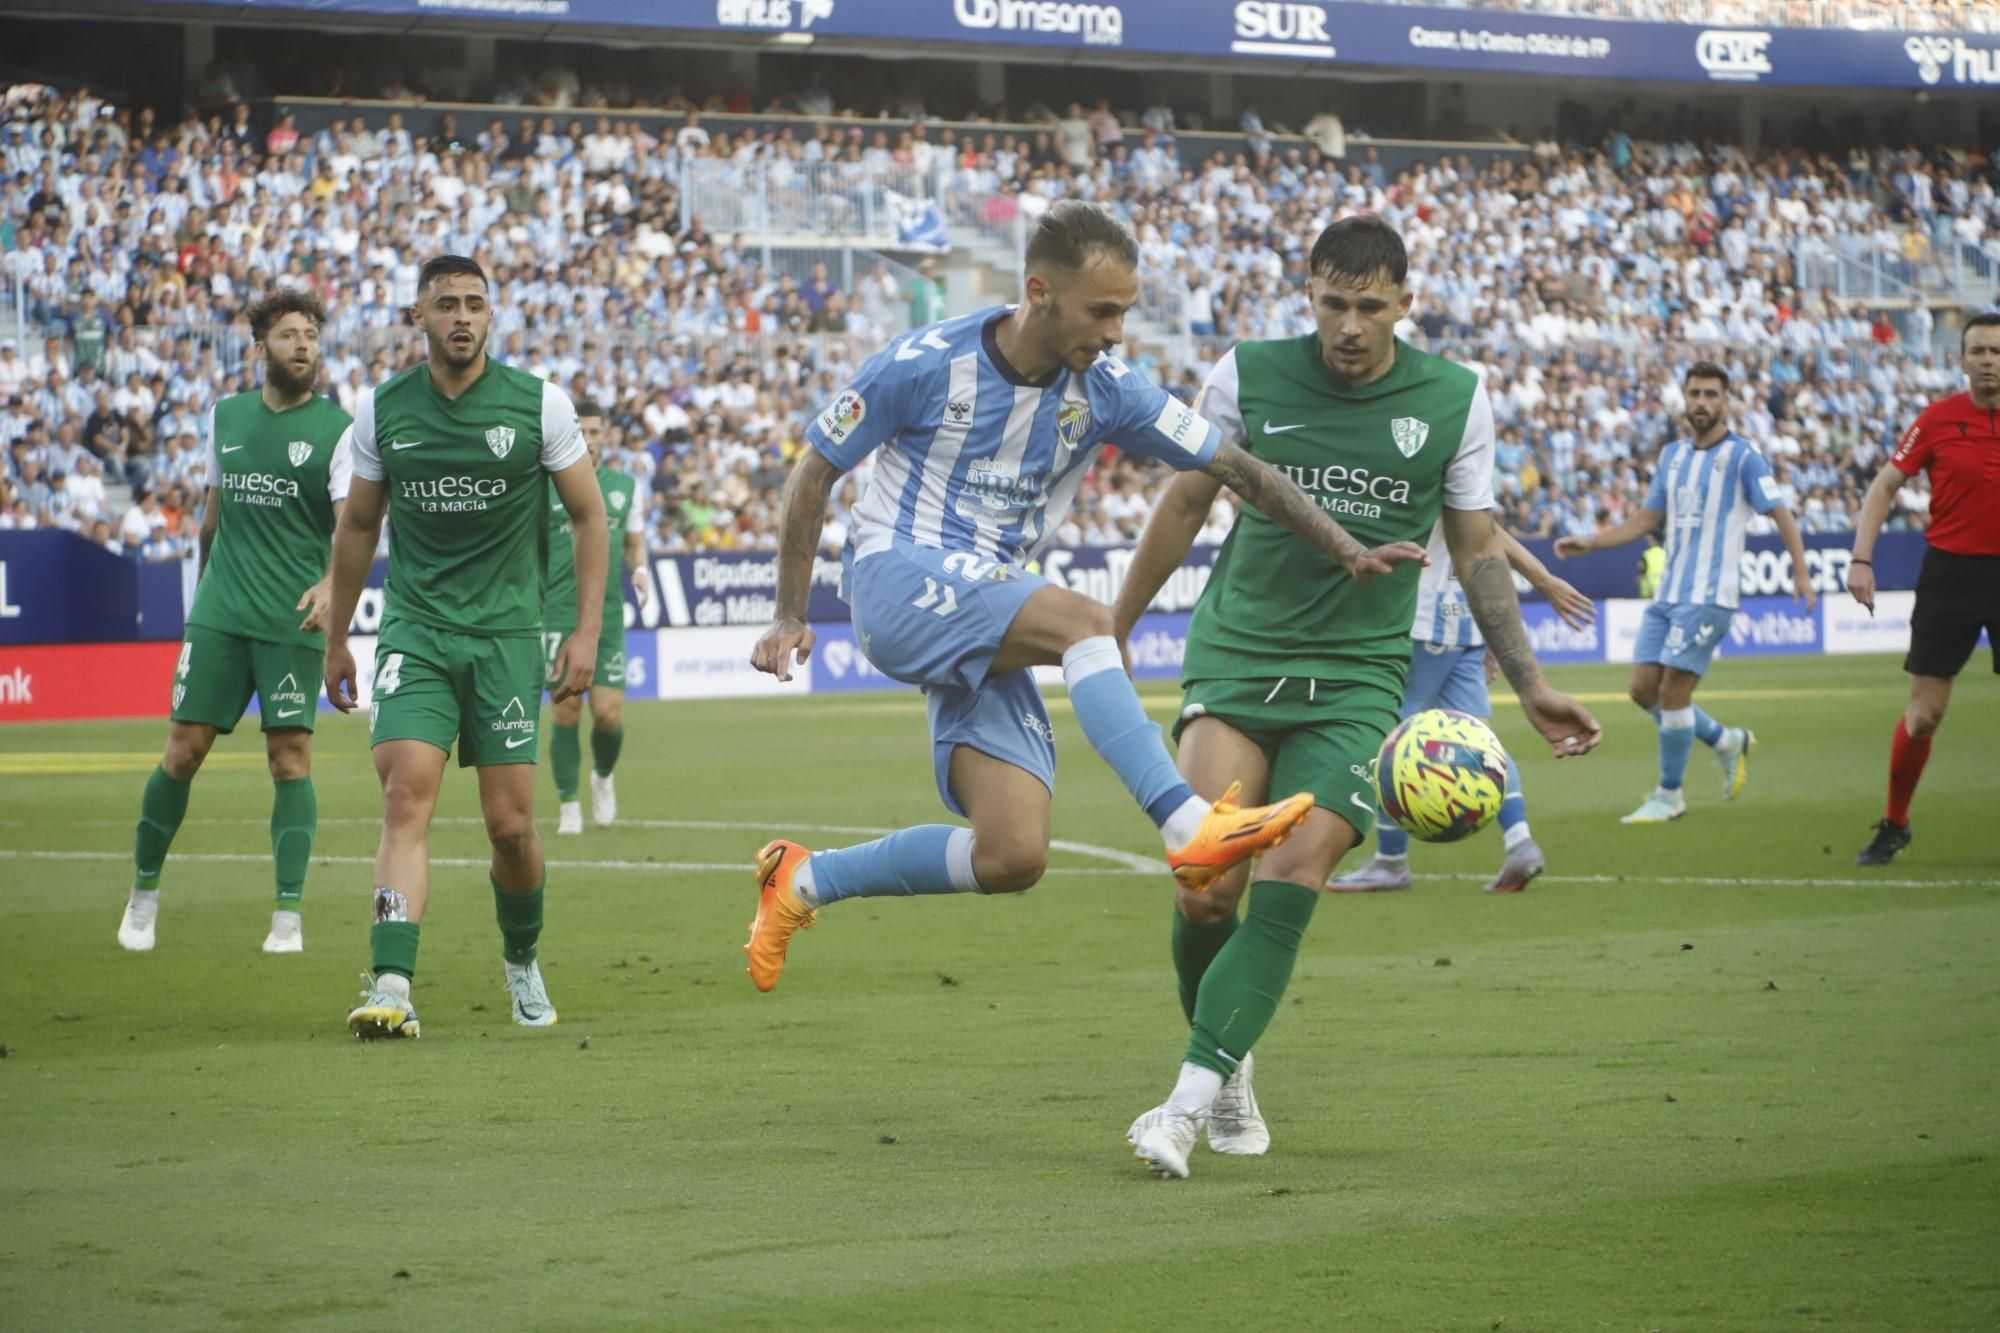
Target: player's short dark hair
{"points": [[1985, 319], [586, 407], [1072, 231], [444, 266], [1360, 249], [1707, 370], [281, 301]]}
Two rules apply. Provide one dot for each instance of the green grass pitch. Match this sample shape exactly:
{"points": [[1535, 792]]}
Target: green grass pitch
{"points": [[1701, 1077]]}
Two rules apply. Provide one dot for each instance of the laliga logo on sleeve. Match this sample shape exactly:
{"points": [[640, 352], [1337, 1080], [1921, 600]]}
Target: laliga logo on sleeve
{"points": [[1735, 57], [842, 415]]}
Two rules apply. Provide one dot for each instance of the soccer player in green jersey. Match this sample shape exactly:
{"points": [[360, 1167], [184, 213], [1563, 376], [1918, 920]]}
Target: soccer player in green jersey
{"points": [[458, 451], [1294, 671], [624, 504], [277, 475]]}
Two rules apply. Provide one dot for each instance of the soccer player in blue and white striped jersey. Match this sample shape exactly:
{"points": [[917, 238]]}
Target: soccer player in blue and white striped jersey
{"points": [[986, 426], [1705, 488], [1450, 668]]}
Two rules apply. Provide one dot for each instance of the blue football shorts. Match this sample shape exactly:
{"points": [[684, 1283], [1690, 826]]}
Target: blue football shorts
{"points": [[935, 619], [1682, 635]]}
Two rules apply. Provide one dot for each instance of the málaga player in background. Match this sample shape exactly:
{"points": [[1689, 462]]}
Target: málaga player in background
{"points": [[457, 450], [987, 425], [625, 505], [1955, 440], [1294, 670], [1705, 488], [277, 475], [1450, 667]]}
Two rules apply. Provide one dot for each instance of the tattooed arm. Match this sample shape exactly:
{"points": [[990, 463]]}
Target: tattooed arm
{"points": [[1479, 556], [1279, 499], [801, 519]]}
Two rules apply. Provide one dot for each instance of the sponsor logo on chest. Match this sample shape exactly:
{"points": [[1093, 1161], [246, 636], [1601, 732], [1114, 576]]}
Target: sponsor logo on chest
{"points": [[459, 489], [254, 486], [993, 487]]}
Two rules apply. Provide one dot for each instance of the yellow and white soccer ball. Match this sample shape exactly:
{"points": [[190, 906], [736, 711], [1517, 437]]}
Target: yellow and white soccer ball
{"points": [[1441, 775]]}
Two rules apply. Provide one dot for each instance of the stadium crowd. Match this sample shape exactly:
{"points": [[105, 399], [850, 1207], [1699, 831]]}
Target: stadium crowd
{"points": [[1899, 15], [1580, 278]]}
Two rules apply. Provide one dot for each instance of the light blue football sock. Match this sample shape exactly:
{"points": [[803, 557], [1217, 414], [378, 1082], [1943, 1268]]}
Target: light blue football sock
{"points": [[1706, 729], [930, 858], [1116, 725], [1676, 741], [1514, 809]]}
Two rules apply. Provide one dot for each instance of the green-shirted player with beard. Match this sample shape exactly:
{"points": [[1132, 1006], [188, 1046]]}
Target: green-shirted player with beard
{"points": [[277, 475], [458, 451], [624, 505], [1294, 671]]}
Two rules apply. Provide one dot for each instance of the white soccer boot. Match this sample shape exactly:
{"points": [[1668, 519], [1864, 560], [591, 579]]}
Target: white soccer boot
{"points": [[1378, 874], [1162, 1139], [569, 817], [1521, 865], [288, 934], [135, 930], [1235, 1125], [531, 999], [603, 800], [1733, 758], [1660, 807]]}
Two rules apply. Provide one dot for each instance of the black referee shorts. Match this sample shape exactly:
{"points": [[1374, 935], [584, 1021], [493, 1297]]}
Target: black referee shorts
{"points": [[1957, 596]]}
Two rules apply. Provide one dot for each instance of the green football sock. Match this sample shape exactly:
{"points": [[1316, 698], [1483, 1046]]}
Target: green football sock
{"points": [[294, 821], [565, 761], [160, 813], [604, 748], [393, 947], [520, 918], [1195, 946], [1241, 990]]}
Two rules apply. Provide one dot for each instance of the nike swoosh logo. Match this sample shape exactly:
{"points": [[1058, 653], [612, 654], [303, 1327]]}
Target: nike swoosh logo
{"points": [[1361, 805], [518, 742], [232, 448], [404, 444], [1269, 429], [294, 712]]}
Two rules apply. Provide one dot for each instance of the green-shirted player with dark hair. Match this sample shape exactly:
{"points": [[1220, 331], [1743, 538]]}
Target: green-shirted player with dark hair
{"points": [[458, 452], [1294, 670], [624, 505], [277, 474]]}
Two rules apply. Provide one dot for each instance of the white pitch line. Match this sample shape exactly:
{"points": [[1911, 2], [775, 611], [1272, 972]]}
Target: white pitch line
{"points": [[1139, 868], [464, 862], [1128, 860], [1731, 881]]}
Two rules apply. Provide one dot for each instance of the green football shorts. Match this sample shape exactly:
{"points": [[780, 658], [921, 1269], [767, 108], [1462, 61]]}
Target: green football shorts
{"points": [[610, 656], [218, 672], [1317, 736], [483, 692]]}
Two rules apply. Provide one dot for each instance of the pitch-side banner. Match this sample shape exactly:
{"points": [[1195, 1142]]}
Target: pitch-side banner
{"points": [[1278, 31]]}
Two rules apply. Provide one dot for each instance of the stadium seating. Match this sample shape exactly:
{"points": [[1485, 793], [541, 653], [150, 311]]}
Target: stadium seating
{"points": [[1582, 278]]}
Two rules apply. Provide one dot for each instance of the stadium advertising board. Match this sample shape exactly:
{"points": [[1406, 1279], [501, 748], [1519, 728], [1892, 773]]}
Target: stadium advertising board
{"points": [[1399, 36]]}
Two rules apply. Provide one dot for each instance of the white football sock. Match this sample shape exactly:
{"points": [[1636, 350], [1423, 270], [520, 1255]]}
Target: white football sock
{"points": [[396, 984], [803, 885], [1197, 1090], [1184, 823], [1515, 836]]}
